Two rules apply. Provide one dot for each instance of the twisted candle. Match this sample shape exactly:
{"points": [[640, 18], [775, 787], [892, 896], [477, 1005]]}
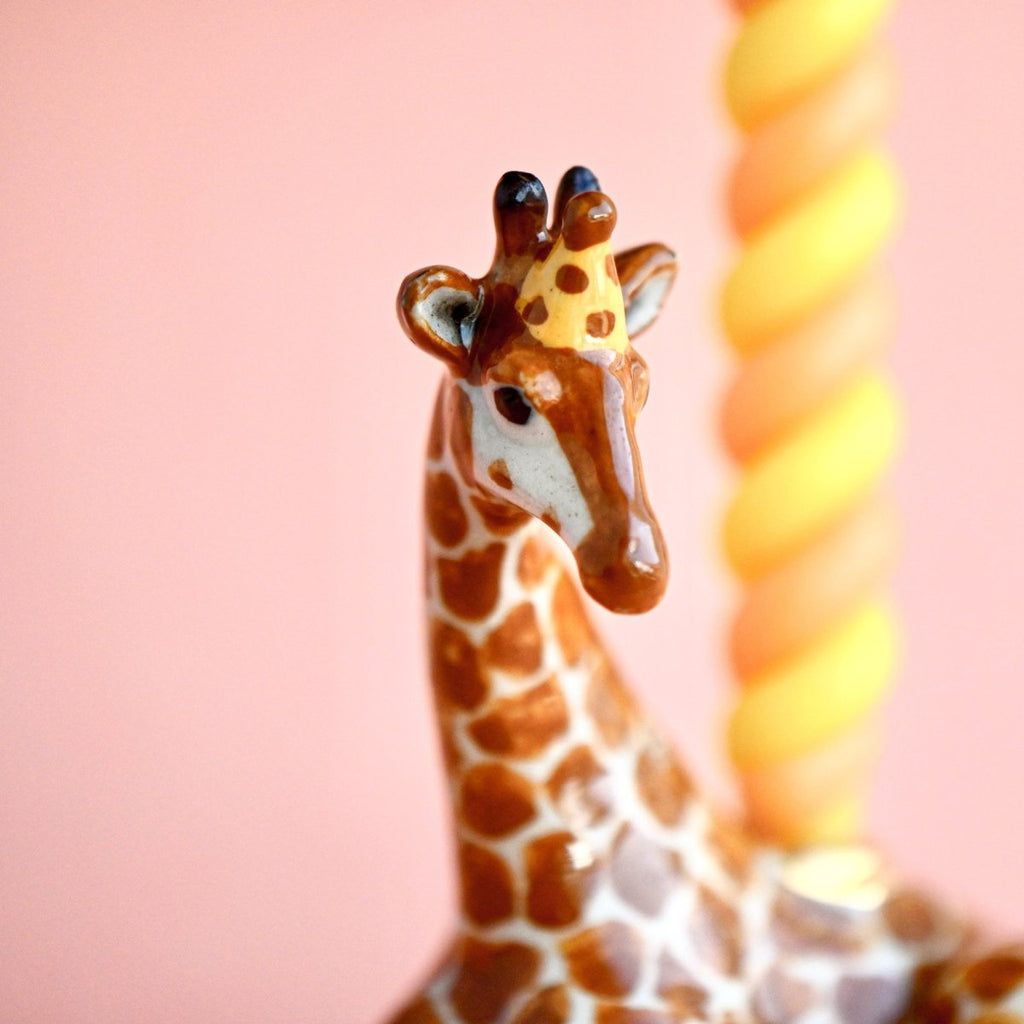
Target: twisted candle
{"points": [[809, 418]]}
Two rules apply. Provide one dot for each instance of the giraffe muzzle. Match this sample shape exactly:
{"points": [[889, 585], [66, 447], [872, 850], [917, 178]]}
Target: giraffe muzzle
{"points": [[626, 569]]}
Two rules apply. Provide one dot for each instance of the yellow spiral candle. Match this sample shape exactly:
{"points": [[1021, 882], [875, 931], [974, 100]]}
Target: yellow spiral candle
{"points": [[809, 418]]}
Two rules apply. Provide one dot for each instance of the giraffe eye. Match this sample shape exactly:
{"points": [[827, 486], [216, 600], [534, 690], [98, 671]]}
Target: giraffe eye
{"points": [[512, 404]]}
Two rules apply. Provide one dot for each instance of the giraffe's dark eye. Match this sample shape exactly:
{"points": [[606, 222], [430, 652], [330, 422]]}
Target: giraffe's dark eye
{"points": [[512, 404]]}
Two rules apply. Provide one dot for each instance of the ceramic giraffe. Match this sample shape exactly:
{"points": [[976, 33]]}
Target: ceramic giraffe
{"points": [[595, 884]]}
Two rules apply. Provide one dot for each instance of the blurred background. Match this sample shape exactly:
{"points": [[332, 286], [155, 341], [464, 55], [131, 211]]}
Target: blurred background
{"points": [[220, 793]]}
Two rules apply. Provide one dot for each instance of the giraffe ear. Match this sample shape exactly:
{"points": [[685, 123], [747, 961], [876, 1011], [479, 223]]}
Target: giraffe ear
{"points": [[646, 274], [437, 308]]}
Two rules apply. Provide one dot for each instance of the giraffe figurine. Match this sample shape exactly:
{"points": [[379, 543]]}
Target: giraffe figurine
{"points": [[595, 884]]}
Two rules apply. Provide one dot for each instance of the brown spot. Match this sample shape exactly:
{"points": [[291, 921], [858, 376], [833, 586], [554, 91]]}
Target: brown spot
{"points": [[589, 219], [450, 752], [600, 325], [534, 559], [469, 586], [871, 1000], [605, 960], [549, 1006], [997, 975], [499, 517], [515, 646], [780, 998], [733, 846], [557, 887], [522, 726], [610, 269], [486, 885], [571, 279], [911, 916], [535, 312], [662, 783], [578, 786], [490, 974], [927, 980], [498, 472], [419, 1012], [496, 800], [643, 872], [551, 521], [609, 704], [799, 928], [572, 627], [715, 932], [679, 988], [446, 518], [454, 667], [435, 440], [939, 1011], [608, 1013]]}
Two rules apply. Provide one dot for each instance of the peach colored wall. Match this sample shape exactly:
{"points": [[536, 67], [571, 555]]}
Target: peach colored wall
{"points": [[219, 788]]}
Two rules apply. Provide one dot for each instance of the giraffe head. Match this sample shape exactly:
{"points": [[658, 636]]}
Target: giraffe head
{"points": [[545, 382]]}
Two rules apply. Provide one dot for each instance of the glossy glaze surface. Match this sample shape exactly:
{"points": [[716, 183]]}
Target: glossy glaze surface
{"points": [[596, 884]]}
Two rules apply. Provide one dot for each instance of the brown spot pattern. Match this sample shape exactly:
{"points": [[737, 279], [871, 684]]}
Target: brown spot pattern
{"points": [[454, 667], [446, 518], [997, 975], [939, 1011], [498, 472], [535, 312], [419, 1012], [489, 975], [600, 325], [534, 559], [643, 873], [571, 625], [522, 726], [733, 847], [662, 783], [610, 269], [486, 885], [551, 521], [549, 1006], [611, 1014], [556, 888], [576, 788], [911, 916], [515, 646], [605, 960], [499, 517], [496, 800], [870, 1000], [779, 998], [435, 440], [469, 586], [571, 279], [609, 704], [450, 751], [715, 932], [677, 986]]}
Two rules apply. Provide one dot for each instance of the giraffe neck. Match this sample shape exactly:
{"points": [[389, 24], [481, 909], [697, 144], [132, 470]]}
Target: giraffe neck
{"points": [[549, 760]]}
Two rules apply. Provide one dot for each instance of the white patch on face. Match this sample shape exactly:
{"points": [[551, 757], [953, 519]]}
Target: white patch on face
{"points": [[543, 480]]}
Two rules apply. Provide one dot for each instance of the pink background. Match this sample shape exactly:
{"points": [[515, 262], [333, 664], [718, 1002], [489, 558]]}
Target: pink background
{"points": [[220, 793]]}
